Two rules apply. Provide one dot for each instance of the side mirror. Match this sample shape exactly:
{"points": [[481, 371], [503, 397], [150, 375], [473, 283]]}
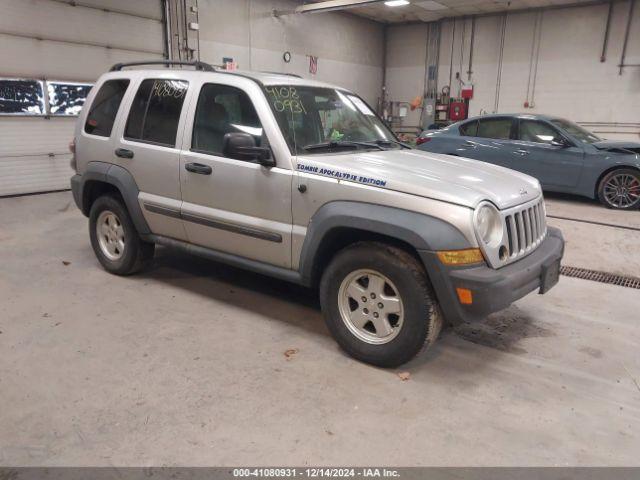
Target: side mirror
{"points": [[242, 146], [560, 142]]}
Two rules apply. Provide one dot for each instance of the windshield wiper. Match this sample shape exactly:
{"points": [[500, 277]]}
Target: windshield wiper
{"points": [[392, 142], [341, 143]]}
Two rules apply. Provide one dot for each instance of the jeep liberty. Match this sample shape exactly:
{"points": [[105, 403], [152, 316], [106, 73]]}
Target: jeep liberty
{"points": [[300, 180]]}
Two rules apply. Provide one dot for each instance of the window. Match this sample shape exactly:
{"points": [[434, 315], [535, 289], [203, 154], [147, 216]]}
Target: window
{"points": [[576, 131], [499, 128], [222, 109], [21, 97], [155, 112], [469, 129], [105, 107], [67, 98], [314, 116], [538, 132]]}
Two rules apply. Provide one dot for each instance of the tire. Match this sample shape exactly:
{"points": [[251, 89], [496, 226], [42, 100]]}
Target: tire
{"points": [[411, 332], [620, 189], [119, 248]]}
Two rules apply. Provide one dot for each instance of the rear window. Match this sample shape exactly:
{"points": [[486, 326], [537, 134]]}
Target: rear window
{"points": [[105, 106], [155, 112], [469, 129]]}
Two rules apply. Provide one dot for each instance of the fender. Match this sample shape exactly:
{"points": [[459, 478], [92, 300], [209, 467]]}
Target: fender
{"points": [[422, 232], [118, 177]]}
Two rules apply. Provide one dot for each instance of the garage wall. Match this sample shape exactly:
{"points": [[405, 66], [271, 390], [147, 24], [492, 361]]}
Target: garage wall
{"points": [[349, 48], [53, 40], [569, 80]]}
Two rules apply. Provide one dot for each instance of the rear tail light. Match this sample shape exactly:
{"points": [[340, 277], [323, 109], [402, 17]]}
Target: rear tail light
{"points": [[421, 140], [72, 148]]}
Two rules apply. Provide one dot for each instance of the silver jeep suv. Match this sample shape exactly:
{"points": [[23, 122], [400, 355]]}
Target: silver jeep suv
{"points": [[301, 181]]}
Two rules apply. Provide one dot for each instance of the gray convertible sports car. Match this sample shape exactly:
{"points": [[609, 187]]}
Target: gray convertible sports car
{"points": [[563, 156]]}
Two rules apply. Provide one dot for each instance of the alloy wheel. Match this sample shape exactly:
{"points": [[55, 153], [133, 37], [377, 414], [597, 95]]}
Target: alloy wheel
{"points": [[370, 306]]}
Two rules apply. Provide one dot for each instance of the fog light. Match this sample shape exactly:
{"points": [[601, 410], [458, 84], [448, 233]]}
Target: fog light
{"points": [[465, 296], [461, 257]]}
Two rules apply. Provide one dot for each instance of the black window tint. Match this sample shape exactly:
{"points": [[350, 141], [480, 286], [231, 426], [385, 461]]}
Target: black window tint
{"points": [[495, 128], [469, 129], [23, 97], [155, 111], [533, 131], [222, 109], [105, 107]]}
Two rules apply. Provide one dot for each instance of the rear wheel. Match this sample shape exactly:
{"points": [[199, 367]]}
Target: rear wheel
{"points": [[115, 239], [620, 189], [378, 304]]}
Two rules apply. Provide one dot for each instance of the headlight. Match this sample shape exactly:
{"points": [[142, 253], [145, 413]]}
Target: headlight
{"points": [[488, 224]]}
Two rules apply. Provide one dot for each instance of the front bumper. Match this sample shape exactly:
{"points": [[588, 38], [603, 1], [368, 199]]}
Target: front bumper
{"points": [[493, 290]]}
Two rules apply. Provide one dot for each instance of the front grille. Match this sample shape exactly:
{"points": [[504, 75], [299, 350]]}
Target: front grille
{"points": [[526, 227]]}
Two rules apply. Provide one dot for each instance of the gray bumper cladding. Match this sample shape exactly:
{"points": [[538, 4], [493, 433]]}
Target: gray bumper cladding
{"points": [[493, 290]]}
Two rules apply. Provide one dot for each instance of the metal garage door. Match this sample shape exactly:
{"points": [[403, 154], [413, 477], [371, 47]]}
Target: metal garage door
{"points": [[69, 42]]}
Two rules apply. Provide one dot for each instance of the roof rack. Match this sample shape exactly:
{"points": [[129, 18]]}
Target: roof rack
{"points": [[282, 73], [205, 67]]}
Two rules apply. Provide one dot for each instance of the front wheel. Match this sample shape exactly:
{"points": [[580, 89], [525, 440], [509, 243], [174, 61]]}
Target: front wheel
{"points": [[620, 189], [378, 304]]}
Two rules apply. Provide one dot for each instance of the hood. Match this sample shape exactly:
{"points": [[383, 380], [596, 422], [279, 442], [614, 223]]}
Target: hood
{"points": [[443, 177], [619, 146]]}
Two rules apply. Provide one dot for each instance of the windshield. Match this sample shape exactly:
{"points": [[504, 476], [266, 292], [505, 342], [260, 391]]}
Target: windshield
{"points": [[314, 120], [576, 131]]}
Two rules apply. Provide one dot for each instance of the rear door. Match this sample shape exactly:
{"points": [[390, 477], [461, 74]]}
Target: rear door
{"points": [[230, 205], [147, 148], [493, 140], [536, 154]]}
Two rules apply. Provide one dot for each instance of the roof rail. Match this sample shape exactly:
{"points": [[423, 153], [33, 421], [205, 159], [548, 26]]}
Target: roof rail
{"points": [[287, 74], [205, 67]]}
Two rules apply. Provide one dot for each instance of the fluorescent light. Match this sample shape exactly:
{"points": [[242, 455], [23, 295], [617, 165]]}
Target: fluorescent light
{"points": [[396, 3]]}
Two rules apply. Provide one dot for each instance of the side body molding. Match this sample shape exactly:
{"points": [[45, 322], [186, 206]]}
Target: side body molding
{"points": [[422, 232], [119, 178]]}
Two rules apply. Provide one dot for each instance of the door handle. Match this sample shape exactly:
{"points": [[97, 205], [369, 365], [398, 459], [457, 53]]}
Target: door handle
{"points": [[521, 152], [198, 168], [124, 153], [468, 144]]}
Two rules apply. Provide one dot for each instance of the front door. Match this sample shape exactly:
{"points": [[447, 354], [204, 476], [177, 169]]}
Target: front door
{"points": [[233, 206], [537, 154]]}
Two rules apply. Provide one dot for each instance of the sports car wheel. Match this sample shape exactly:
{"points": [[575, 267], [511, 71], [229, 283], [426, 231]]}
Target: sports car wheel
{"points": [[620, 189]]}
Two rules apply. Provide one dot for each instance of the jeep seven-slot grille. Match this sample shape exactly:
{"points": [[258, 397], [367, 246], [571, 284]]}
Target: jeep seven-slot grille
{"points": [[526, 228]]}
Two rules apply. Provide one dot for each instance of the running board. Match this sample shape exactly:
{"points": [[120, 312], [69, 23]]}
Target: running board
{"points": [[230, 259]]}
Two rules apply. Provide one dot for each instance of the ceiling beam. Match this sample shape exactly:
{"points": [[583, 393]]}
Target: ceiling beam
{"points": [[326, 6]]}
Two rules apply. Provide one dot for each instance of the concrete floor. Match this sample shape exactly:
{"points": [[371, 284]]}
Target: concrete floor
{"points": [[185, 365]]}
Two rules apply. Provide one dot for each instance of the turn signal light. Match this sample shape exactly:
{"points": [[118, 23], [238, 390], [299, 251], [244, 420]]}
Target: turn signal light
{"points": [[461, 257], [465, 296]]}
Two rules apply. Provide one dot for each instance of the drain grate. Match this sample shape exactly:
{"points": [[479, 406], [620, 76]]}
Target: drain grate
{"points": [[602, 277]]}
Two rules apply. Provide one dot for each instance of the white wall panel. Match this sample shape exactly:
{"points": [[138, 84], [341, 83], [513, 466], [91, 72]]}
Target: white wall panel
{"points": [[349, 48], [48, 19]]}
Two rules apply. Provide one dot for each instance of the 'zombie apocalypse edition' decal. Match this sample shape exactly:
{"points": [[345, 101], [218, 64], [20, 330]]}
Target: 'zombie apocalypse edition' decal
{"points": [[328, 172]]}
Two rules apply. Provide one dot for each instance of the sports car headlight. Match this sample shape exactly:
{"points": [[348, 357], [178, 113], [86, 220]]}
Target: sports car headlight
{"points": [[488, 224]]}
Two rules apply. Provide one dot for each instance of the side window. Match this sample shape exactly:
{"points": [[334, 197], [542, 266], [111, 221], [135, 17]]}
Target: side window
{"points": [[469, 129], [105, 106], [499, 128], [155, 112], [223, 109], [538, 132]]}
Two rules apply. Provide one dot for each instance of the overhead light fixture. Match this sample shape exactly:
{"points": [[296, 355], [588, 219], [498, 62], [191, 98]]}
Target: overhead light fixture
{"points": [[396, 3]]}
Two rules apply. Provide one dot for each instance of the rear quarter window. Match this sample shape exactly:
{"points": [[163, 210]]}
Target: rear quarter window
{"points": [[155, 111], [104, 108]]}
